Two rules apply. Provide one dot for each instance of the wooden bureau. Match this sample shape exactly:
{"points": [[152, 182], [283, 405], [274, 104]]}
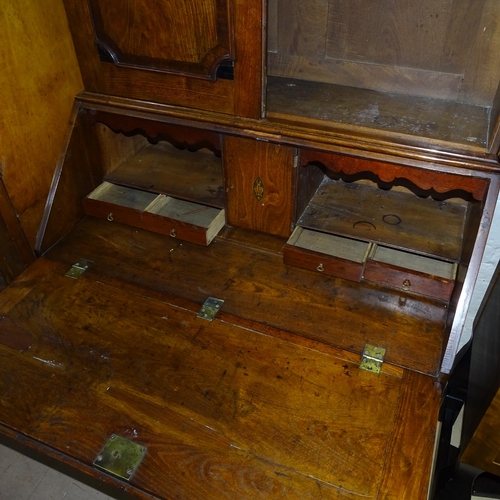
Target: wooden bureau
{"points": [[325, 175]]}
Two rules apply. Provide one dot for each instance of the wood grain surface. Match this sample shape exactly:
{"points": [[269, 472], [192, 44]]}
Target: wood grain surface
{"points": [[146, 35], [431, 182], [385, 145], [400, 219], [39, 80], [78, 171], [195, 176], [225, 411], [257, 285], [242, 96], [245, 162], [15, 249], [319, 104], [401, 47]]}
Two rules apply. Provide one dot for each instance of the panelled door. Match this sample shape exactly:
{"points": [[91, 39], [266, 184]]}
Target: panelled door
{"points": [[192, 53]]}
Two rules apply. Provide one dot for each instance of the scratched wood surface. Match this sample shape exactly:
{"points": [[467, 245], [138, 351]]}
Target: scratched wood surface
{"points": [[257, 285], [316, 102], [225, 411]]}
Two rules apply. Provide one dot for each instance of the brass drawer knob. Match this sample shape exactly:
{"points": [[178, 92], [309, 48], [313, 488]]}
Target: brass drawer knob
{"points": [[110, 217], [406, 285], [173, 233], [320, 268]]}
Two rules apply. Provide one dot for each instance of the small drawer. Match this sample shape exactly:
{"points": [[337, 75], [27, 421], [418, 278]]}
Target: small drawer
{"points": [[410, 272], [183, 219], [118, 203], [161, 214], [326, 253]]}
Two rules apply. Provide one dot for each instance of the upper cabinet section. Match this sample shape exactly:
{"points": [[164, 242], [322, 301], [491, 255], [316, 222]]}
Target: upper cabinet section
{"points": [[423, 74], [173, 36], [428, 69], [202, 54]]}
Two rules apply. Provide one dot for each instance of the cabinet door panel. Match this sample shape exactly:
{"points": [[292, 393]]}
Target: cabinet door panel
{"points": [[185, 37], [170, 51]]}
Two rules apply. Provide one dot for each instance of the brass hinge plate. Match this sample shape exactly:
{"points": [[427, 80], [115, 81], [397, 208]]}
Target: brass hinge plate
{"points": [[120, 457], [372, 358], [78, 268], [210, 308]]}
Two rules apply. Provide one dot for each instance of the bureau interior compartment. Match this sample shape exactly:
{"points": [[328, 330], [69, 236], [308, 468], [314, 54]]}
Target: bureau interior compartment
{"points": [[173, 189], [162, 168], [426, 69], [397, 234], [145, 173]]}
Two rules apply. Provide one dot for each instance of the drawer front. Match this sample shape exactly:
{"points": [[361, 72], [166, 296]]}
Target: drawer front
{"points": [[112, 212], [182, 230], [322, 263], [408, 280], [157, 213]]}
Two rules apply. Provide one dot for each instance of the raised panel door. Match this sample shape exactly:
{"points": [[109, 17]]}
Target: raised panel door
{"points": [[204, 55]]}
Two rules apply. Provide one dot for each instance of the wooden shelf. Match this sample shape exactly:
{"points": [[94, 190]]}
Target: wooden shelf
{"points": [[394, 218], [426, 117], [164, 169]]}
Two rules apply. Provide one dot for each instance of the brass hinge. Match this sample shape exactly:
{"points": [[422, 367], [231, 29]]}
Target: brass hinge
{"points": [[372, 358], [78, 268], [120, 457], [210, 308]]}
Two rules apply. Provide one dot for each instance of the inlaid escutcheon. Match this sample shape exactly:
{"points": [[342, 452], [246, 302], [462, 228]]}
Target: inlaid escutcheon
{"points": [[258, 189]]}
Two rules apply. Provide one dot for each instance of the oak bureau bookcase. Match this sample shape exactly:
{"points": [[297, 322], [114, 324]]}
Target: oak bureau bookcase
{"points": [[259, 246]]}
